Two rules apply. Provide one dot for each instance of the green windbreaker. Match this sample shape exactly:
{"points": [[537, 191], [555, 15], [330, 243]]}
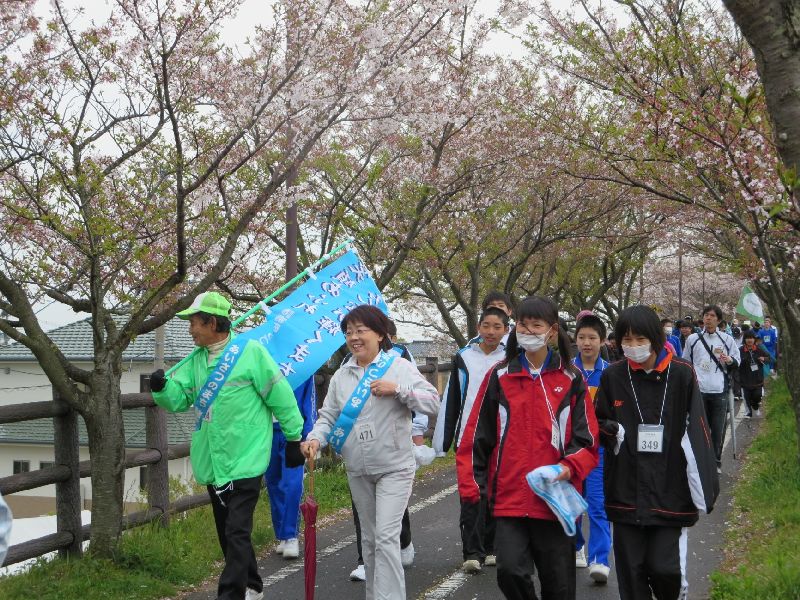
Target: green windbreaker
{"points": [[235, 442]]}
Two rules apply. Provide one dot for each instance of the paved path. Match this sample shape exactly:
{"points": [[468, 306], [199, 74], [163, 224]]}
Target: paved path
{"points": [[435, 574]]}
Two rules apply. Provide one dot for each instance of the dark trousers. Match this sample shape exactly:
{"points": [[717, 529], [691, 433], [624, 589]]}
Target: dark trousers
{"points": [[477, 530], [647, 561], [523, 543], [736, 383], [405, 531], [716, 406], [233, 507], [752, 398]]}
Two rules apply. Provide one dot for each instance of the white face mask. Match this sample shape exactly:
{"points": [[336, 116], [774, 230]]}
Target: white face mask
{"points": [[637, 354], [532, 341], [668, 330]]}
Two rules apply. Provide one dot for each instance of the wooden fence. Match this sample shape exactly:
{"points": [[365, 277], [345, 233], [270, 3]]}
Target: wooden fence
{"points": [[68, 469]]}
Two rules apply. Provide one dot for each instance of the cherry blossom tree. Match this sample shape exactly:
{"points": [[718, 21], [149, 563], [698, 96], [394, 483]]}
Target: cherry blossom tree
{"points": [[671, 104], [140, 156]]}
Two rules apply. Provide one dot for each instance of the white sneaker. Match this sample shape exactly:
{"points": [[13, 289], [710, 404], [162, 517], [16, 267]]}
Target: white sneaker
{"points": [[599, 573], [490, 560], [580, 559], [407, 555], [279, 548], [358, 574], [291, 549], [471, 566], [251, 594], [758, 412]]}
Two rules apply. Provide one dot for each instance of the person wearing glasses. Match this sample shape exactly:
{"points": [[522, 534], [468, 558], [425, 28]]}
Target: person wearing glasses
{"points": [[366, 417]]}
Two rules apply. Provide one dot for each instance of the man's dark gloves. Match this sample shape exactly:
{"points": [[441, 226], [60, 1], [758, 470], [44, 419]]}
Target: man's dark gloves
{"points": [[157, 380], [294, 458]]}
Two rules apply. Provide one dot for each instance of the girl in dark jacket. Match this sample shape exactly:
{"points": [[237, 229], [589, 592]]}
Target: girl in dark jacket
{"points": [[660, 467], [751, 373]]}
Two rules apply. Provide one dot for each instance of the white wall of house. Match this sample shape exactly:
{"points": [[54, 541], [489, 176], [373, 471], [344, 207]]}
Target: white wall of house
{"points": [[26, 382], [22, 382], [36, 454]]}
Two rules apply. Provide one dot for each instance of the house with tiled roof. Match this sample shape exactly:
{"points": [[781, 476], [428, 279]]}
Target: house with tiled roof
{"points": [[28, 445]]}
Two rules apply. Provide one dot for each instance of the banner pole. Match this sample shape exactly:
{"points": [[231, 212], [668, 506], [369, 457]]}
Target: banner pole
{"points": [[277, 292]]}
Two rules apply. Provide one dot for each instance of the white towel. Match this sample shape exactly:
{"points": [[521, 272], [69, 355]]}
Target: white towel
{"points": [[562, 498]]}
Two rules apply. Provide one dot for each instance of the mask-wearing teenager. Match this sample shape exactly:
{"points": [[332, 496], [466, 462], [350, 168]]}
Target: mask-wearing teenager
{"points": [[532, 411]]}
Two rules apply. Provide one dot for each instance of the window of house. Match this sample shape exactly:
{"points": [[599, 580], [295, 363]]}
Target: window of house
{"points": [[46, 464], [22, 466]]}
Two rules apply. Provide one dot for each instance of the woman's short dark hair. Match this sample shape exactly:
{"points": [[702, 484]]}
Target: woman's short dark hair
{"points": [[715, 309], [641, 320], [223, 323], [373, 318], [539, 307], [392, 328], [591, 322], [748, 335], [496, 312]]}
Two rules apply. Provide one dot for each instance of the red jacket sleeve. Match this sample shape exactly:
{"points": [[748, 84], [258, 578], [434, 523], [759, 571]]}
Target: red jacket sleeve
{"points": [[581, 454], [473, 455]]}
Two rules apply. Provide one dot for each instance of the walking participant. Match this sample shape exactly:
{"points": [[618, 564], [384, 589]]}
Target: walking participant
{"points": [[285, 484], [495, 299], [532, 411], [366, 416], [751, 374], [713, 354], [686, 328], [768, 335], [659, 460], [590, 334], [470, 365], [672, 339], [419, 425], [231, 446]]}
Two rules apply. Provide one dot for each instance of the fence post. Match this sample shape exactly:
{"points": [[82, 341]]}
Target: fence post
{"points": [[157, 473], [68, 493], [433, 376]]}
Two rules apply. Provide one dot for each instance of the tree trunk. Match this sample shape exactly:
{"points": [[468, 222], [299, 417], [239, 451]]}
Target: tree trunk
{"points": [[790, 367], [107, 450], [772, 28]]}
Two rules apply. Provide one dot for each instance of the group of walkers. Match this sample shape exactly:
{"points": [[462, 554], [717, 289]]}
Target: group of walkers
{"points": [[634, 424]]}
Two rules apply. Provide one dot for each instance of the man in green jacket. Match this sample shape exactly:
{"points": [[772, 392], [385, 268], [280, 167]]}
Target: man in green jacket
{"points": [[231, 447]]}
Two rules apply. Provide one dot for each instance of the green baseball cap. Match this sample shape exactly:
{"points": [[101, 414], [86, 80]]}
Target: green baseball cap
{"points": [[212, 303]]}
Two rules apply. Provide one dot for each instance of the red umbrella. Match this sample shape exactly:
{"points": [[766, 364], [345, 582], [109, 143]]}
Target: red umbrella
{"points": [[309, 509]]}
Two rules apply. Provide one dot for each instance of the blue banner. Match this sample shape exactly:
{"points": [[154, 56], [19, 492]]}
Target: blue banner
{"points": [[303, 331]]}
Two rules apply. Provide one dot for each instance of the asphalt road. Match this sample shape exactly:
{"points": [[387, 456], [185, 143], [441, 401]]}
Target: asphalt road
{"points": [[435, 574]]}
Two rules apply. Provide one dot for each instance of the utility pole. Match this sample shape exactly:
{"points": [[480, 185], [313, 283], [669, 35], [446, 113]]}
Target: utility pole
{"points": [[703, 292], [291, 237], [680, 280]]}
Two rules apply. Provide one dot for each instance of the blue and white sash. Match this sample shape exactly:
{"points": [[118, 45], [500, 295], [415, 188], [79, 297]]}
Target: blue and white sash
{"points": [[211, 388], [352, 408]]}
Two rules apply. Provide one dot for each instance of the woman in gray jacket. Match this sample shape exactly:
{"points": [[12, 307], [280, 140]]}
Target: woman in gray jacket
{"points": [[366, 416]]}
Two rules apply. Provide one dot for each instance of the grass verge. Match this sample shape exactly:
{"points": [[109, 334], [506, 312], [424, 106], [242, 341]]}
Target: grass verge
{"points": [[157, 563], [761, 548]]}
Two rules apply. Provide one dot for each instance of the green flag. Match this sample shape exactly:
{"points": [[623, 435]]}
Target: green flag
{"points": [[750, 305]]}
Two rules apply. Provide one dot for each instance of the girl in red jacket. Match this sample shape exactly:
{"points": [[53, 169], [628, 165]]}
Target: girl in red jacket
{"points": [[532, 410]]}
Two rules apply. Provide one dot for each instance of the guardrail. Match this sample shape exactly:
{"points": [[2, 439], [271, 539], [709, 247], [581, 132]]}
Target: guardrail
{"points": [[68, 469]]}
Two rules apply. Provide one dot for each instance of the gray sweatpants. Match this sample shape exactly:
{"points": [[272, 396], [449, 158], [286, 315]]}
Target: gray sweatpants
{"points": [[381, 501]]}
